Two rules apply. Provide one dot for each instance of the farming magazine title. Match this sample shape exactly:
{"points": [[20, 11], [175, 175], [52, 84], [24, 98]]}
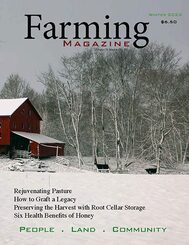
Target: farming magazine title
{"points": [[94, 122]]}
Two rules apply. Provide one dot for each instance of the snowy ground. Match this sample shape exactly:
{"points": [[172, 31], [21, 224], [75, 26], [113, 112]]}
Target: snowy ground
{"points": [[28, 165], [70, 164], [165, 197]]}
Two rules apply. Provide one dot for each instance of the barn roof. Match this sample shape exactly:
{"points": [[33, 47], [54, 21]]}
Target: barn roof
{"points": [[9, 106], [39, 138]]}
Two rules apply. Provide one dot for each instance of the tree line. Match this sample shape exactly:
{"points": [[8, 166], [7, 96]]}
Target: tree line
{"points": [[124, 103]]}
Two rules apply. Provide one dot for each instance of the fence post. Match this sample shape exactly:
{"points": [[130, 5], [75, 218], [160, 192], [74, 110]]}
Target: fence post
{"points": [[56, 151]]}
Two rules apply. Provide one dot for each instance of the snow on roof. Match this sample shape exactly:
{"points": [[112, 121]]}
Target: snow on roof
{"points": [[39, 138], [9, 106]]}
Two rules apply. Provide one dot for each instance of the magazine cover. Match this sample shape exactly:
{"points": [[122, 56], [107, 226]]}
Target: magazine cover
{"points": [[94, 122]]}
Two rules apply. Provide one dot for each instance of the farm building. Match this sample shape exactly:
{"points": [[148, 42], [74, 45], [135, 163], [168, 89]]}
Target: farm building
{"points": [[20, 130]]}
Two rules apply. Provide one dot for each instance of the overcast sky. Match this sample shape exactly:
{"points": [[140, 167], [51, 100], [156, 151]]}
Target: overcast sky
{"points": [[29, 58]]}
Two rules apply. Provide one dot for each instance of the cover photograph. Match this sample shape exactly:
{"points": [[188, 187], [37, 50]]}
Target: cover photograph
{"points": [[94, 122]]}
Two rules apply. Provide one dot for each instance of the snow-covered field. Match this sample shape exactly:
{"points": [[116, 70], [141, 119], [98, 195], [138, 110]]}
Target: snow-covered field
{"points": [[70, 164], [165, 198], [28, 165]]}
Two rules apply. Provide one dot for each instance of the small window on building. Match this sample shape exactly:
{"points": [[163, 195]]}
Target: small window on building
{"points": [[29, 112], [22, 125], [0, 125], [14, 125], [0, 135]]}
